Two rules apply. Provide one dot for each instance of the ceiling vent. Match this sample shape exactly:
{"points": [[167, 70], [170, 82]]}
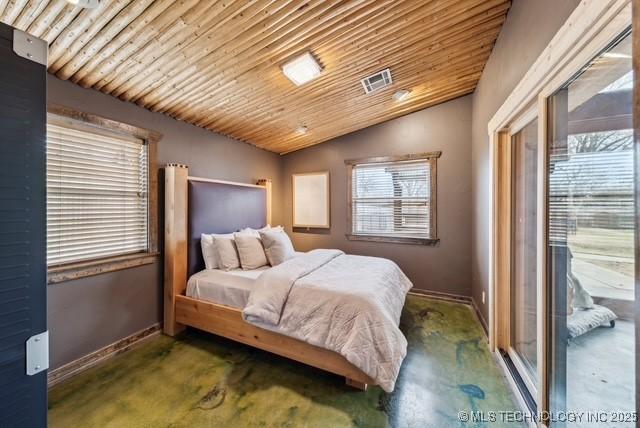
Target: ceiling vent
{"points": [[377, 81]]}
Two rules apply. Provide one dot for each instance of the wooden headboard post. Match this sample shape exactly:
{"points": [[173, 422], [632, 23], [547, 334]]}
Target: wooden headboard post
{"points": [[175, 242], [182, 256], [268, 185]]}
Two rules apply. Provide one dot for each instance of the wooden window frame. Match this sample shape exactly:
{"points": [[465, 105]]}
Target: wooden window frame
{"points": [[75, 270], [433, 239]]}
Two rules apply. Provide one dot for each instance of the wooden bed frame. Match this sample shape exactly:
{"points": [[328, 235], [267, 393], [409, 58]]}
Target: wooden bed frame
{"points": [[181, 311]]}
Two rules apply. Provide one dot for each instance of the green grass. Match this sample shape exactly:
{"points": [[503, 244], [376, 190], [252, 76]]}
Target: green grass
{"points": [[613, 243]]}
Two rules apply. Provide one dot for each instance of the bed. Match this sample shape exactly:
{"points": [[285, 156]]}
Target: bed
{"points": [[228, 288], [341, 316]]}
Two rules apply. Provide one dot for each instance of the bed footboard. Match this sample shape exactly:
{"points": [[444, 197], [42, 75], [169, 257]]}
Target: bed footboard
{"points": [[227, 322], [355, 384]]}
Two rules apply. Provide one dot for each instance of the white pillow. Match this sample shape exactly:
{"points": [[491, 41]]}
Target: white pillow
{"points": [[226, 252], [264, 229], [250, 250], [249, 231], [277, 246], [208, 251]]}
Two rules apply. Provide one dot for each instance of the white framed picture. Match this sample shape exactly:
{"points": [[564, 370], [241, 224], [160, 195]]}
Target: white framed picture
{"points": [[311, 200]]}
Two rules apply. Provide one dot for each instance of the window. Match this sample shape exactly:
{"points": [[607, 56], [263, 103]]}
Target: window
{"points": [[393, 199], [98, 195]]}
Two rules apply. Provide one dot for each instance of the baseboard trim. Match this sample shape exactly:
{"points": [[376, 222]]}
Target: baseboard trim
{"points": [[483, 322], [457, 298], [73, 368]]}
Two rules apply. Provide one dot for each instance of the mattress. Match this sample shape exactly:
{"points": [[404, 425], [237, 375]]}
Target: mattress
{"points": [[229, 288]]}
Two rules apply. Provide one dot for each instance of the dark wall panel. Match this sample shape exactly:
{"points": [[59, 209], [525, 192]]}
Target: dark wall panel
{"points": [[23, 397]]}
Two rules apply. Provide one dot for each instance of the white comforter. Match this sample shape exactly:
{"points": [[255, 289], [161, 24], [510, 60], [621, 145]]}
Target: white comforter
{"points": [[345, 303]]}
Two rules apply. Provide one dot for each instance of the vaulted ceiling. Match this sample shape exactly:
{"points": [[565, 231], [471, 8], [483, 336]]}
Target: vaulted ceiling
{"points": [[217, 63]]}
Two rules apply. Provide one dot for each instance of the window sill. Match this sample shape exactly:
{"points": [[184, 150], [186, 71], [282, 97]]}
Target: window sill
{"points": [[394, 239], [71, 271]]}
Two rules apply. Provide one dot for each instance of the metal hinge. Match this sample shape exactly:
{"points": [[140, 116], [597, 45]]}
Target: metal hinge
{"points": [[38, 353], [30, 47]]}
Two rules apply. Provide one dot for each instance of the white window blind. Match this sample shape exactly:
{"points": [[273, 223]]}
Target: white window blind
{"points": [[97, 193], [392, 199], [591, 186]]}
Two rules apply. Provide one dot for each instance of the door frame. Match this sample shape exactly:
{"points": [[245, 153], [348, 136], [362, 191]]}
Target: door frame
{"points": [[635, 44], [588, 30], [504, 282], [500, 302]]}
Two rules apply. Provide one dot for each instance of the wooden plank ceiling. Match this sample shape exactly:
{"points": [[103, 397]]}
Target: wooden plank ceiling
{"points": [[216, 64]]}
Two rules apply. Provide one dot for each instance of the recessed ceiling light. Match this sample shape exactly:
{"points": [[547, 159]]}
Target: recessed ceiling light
{"points": [[87, 4], [302, 69], [401, 94], [302, 130]]}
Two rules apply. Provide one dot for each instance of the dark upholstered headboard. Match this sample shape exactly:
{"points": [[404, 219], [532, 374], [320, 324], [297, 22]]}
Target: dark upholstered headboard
{"points": [[218, 207]]}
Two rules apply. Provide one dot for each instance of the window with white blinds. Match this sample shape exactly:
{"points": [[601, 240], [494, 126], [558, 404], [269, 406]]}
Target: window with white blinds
{"points": [[97, 193], [591, 185], [393, 199]]}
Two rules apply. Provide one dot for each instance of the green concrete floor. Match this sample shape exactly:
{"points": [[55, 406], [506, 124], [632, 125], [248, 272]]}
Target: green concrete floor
{"points": [[201, 380]]}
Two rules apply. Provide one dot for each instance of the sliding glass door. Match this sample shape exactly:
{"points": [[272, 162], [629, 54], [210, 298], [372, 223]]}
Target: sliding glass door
{"points": [[523, 292], [564, 237], [590, 253]]}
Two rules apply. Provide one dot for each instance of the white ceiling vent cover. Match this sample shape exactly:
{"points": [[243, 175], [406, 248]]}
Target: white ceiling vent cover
{"points": [[377, 81]]}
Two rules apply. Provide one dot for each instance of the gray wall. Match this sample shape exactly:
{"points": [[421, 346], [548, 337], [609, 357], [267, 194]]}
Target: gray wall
{"points": [[529, 27], [87, 314], [446, 127]]}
